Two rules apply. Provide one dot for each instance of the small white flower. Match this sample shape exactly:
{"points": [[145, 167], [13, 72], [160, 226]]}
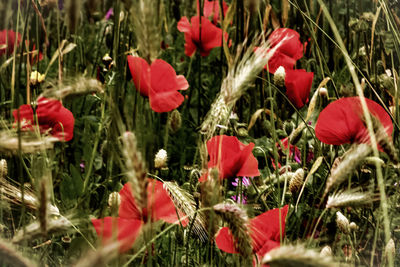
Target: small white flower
{"points": [[160, 160]]}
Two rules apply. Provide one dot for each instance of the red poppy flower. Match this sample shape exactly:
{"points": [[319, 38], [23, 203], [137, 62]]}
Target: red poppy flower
{"points": [[288, 52], [159, 82], [7, 41], [340, 122], [131, 218], [231, 157], [211, 35], [298, 85], [265, 232], [51, 116], [212, 8]]}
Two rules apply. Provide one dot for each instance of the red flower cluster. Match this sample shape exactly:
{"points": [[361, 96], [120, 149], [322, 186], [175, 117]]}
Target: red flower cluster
{"points": [[211, 35], [231, 157], [340, 122], [51, 117], [159, 82], [289, 50], [265, 232], [7, 41], [212, 9], [131, 218]]}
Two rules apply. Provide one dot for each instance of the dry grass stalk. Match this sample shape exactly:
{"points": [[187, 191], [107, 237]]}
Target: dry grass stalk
{"points": [[240, 77], [3, 169], [210, 196], [184, 201], [100, 257], [55, 225], [9, 256], [347, 198], [73, 8], [297, 255], [349, 163], [12, 193], [78, 86], [43, 207], [147, 27], [135, 168], [237, 221]]}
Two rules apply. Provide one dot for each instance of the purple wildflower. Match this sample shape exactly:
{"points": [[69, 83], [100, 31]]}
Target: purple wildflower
{"points": [[245, 181], [109, 13], [238, 199]]}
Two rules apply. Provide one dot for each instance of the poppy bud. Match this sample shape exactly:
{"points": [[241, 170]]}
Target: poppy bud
{"points": [[342, 222], [160, 160], [279, 77], [114, 199], [288, 127], [175, 121]]}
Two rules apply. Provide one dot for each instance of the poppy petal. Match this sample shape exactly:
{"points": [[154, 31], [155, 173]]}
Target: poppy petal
{"points": [[298, 85], [25, 116], [279, 59], [128, 208], [266, 227], [340, 122], [125, 230], [53, 115], [250, 163], [161, 205], [225, 241], [291, 45], [140, 72], [164, 96]]}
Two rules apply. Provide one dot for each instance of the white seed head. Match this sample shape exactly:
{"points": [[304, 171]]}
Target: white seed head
{"points": [[114, 199], [279, 76], [342, 222], [390, 248], [160, 160], [326, 251], [353, 226], [36, 77], [323, 92]]}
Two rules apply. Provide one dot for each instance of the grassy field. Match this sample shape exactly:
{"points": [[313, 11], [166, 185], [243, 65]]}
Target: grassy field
{"points": [[199, 133]]}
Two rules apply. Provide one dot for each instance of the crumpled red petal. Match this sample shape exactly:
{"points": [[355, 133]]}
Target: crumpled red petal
{"points": [[298, 85], [124, 230], [231, 157], [267, 227], [291, 45], [211, 35], [340, 122]]}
